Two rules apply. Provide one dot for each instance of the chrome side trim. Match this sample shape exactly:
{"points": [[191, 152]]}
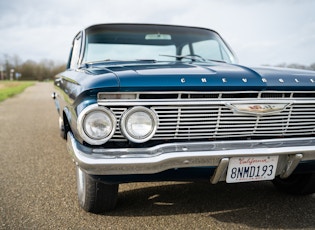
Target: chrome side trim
{"points": [[61, 124], [182, 155]]}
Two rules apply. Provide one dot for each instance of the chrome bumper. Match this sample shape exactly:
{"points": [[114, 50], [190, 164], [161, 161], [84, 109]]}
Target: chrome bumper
{"points": [[156, 159]]}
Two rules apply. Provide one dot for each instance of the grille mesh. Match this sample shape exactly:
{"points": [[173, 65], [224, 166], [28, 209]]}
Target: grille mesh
{"points": [[221, 122]]}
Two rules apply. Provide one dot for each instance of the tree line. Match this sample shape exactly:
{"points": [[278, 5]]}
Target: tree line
{"points": [[297, 66], [13, 68]]}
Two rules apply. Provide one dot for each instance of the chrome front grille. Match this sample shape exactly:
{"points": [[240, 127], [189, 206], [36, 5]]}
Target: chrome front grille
{"points": [[220, 122], [207, 116]]}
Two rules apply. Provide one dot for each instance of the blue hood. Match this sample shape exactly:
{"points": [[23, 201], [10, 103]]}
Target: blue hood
{"points": [[206, 77]]}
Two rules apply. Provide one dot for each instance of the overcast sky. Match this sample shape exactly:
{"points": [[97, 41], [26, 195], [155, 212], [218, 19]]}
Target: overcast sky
{"points": [[259, 31]]}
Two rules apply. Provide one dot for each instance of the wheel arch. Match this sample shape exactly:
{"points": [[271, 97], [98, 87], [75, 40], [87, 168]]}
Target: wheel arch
{"points": [[65, 126]]}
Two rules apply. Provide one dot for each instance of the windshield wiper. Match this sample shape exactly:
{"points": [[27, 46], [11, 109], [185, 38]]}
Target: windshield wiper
{"points": [[194, 57]]}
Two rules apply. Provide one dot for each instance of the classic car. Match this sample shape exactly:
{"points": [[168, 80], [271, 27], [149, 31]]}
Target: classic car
{"points": [[150, 102]]}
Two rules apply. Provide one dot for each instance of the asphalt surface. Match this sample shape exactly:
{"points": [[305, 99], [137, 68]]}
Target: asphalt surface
{"points": [[38, 186]]}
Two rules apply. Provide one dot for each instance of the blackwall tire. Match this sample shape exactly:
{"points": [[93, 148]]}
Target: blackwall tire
{"points": [[297, 184], [95, 196]]}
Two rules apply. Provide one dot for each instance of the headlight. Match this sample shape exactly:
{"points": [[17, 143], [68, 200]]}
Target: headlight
{"points": [[96, 124], [138, 124]]}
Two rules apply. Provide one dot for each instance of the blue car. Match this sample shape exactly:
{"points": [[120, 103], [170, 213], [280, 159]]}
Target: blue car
{"points": [[148, 102]]}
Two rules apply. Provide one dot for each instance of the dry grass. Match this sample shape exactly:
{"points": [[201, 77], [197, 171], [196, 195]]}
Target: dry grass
{"points": [[11, 88]]}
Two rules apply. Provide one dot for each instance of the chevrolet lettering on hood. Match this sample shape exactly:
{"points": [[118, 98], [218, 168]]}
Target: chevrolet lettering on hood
{"points": [[149, 102]]}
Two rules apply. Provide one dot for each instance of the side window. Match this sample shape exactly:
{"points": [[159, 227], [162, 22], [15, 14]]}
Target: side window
{"points": [[76, 52]]}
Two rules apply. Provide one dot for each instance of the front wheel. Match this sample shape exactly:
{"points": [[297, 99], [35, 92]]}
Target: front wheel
{"points": [[296, 184], [95, 196]]}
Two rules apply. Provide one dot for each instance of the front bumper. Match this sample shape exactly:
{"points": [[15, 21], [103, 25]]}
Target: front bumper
{"points": [[124, 161]]}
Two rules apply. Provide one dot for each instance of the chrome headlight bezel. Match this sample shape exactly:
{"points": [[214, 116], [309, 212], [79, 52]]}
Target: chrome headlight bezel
{"points": [[143, 112], [82, 125]]}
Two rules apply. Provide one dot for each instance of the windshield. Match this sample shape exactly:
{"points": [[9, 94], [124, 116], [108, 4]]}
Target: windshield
{"points": [[154, 42]]}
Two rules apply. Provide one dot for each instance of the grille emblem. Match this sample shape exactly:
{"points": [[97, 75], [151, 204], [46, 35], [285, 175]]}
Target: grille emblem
{"points": [[257, 109]]}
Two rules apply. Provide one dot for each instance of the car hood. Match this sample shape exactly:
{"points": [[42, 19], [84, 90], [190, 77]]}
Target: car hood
{"points": [[204, 77]]}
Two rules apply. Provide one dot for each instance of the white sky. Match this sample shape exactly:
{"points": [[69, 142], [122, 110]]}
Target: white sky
{"points": [[259, 31]]}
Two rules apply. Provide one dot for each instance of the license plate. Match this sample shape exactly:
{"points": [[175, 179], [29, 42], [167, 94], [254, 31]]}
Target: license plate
{"points": [[245, 169]]}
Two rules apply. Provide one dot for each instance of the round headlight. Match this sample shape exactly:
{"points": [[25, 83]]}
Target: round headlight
{"points": [[138, 124], [96, 124]]}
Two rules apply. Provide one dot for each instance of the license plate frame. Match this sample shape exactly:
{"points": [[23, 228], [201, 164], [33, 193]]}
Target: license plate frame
{"points": [[252, 168]]}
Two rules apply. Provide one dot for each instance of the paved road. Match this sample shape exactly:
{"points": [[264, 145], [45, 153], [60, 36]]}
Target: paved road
{"points": [[38, 187]]}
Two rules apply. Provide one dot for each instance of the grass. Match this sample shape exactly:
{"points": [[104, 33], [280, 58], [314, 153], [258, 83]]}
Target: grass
{"points": [[11, 88]]}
